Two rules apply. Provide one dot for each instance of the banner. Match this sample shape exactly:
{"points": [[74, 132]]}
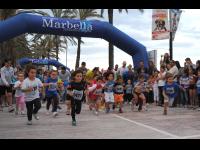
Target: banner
{"points": [[175, 15], [160, 25], [152, 55]]}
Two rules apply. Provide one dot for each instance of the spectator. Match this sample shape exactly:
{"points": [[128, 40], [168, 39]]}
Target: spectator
{"points": [[129, 74], [166, 59], [173, 70], [115, 71], [83, 68], [141, 70], [152, 69], [64, 74], [188, 63], [122, 69], [197, 67]]}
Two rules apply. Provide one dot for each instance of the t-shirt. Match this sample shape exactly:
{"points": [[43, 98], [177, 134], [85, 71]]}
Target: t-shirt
{"points": [[7, 75], [18, 91], [143, 86], [184, 81], [36, 84], [129, 89], [52, 88], [122, 70], [174, 72], [198, 85], [161, 82], [98, 90], [77, 89], [109, 86], [171, 89], [119, 88], [64, 77]]}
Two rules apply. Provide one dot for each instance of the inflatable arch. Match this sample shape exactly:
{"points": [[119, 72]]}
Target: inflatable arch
{"points": [[24, 61], [30, 23]]}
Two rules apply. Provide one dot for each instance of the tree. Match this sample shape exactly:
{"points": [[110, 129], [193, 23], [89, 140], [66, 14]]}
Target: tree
{"points": [[110, 46], [83, 14]]}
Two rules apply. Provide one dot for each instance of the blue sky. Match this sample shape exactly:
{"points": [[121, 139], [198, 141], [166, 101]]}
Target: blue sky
{"points": [[137, 25]]}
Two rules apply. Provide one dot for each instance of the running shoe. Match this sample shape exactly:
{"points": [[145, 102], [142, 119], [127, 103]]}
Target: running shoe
{"points": [[29, 123], [47, 112], [96, 113], [73, 122], [55, 114], [23, 113], [11, 109], [36, 117]]}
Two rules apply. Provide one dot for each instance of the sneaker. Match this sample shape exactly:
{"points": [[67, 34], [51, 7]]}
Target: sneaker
{"points": [[107, 111], [29, 123], [165, 112], [96, 113], [198, 109], [36, 117], [68, 112], [11, 109], [55, 114], [120, 111], [16, 112], [74, 123], [23, 113], [47, 112]]}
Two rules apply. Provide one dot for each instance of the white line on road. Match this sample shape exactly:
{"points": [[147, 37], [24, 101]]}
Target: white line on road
{"points": [[149, 127], [190, 136]]}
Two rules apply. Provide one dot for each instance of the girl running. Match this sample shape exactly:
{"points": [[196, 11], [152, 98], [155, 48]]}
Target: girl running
{"points": [[128, 91], [19, 95]]}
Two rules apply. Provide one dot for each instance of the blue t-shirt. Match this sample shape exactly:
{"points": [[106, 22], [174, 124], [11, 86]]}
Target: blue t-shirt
{"points": [[109, 86], [129, 88], [171, 89], [52, 88], [198, 85]]}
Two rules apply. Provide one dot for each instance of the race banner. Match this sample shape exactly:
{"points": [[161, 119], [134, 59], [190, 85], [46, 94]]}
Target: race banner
{"points": [[175, 15], [160, 25]]}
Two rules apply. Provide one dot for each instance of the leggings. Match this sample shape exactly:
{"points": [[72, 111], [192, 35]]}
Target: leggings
{"points": [[161, 98], [30, 110], [20, 103], [75, 107]]}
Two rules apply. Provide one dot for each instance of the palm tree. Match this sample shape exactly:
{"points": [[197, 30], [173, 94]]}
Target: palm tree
{"points": [[111, 47], [83, 14]]}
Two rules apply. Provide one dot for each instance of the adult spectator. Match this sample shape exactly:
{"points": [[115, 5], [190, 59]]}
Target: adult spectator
{"points": [[165, 60], [141, 70], [152, 69], [173, 70], [64, 74], [122, 69], [115, 71], [197, 67], [129, 75], [188, 63], [83, 68], [7, 76]]}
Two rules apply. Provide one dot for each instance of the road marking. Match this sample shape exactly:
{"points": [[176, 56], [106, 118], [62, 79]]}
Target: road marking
{"points": [[190, 136], [148, 127]]}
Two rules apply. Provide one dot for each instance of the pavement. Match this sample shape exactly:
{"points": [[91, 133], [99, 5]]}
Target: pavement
{"points": [[180, 123]]}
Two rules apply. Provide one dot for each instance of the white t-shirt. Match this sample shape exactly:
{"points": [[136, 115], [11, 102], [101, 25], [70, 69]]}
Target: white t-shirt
{"points": [[161, 82], [36, 84], [174, 71], [122, 70], [18, 91]]}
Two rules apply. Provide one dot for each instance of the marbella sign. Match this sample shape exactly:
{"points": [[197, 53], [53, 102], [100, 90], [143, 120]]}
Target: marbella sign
{"points": [[66, 25], [41, 62]]}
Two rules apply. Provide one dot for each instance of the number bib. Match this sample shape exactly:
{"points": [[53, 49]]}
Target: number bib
{"points": [[77, 95]]}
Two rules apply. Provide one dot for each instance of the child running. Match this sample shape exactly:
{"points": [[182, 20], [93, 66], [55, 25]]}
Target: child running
{"points": [[109, 91], [170, 91], [52, 94], [76, 90], [19, 95], [119, 93], [31, 86], [198, 88], [129, 91]]}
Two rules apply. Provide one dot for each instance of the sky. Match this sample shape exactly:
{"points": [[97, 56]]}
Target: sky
{"points": [[139, 26]]}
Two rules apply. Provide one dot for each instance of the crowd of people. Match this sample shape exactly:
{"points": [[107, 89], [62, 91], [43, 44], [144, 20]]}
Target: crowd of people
{"points": [[169, 86]]}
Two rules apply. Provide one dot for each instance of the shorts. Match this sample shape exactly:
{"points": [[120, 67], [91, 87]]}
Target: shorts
{"points": [[118, 98], [109, 97], [4, 89], [192, 86]]}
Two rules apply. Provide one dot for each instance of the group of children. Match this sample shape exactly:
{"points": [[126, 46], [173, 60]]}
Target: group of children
{"points": [[98, 91]]}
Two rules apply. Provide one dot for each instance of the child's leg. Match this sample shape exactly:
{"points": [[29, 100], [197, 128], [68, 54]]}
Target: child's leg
{"points": [[17, 103], [194, 96], [48, 103], [191, 97], [142, 101], [55, 103], [171, 101], [37, 105], [21, 103], [73, 109], [78, 105], [97, 104], [29, 107]]}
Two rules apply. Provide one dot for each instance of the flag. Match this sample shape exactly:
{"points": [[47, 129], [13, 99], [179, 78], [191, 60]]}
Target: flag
{"points": [[175, 15], [160, 25]]}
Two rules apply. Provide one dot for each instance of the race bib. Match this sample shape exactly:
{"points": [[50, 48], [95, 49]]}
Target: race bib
{"points": [[52, 87], [77, 94]]}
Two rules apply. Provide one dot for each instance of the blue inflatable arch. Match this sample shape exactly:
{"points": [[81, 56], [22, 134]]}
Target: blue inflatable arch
{"points": [[29, 23], [24, 61]]}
